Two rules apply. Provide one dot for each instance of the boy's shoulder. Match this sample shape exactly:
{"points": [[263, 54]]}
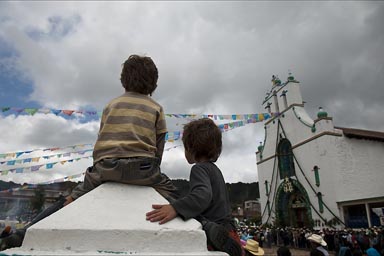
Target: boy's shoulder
{"points": [[133, 96], [209, 167], [206, 164], [141, 96]]}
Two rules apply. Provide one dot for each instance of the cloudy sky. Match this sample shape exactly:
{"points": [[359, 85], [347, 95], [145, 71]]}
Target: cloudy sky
{"points": [[213, 58]]}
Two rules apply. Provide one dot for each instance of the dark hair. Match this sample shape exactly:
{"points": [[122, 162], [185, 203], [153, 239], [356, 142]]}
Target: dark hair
{"points": [[247, 253], [202, 139], [139, 74], [283, 251]]}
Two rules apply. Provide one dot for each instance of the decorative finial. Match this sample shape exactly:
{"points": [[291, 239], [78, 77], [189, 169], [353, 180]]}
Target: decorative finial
{"points": [[275, 80], [322, 113], [260, 147], [290, 76]]}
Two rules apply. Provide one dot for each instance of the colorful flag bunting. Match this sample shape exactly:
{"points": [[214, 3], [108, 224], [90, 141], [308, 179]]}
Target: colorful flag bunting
{"points": [[31, 111], [68, 112]]}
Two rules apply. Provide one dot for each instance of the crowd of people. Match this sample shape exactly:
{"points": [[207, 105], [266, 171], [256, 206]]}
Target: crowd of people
{"points": [[343, 242]]}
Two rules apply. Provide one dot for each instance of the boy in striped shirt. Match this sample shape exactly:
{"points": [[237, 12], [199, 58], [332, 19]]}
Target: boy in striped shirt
{"points": [[131, 138]]}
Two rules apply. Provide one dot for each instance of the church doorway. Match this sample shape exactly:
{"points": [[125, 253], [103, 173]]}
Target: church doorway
{"points": [[292, 205]]}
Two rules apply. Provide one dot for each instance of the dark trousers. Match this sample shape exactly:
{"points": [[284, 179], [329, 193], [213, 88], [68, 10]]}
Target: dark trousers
{"points": [[135, 171]]}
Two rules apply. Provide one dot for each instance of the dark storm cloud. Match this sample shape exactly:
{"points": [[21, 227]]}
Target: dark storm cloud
{"points": [[347, 79]]}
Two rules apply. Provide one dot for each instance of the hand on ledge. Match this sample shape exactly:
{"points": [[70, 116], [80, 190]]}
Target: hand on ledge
{"points": [[162, 213]]}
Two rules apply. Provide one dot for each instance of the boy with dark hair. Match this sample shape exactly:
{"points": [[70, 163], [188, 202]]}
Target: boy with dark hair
{"points": [[131, 138], [130, 142], [207, 200]]}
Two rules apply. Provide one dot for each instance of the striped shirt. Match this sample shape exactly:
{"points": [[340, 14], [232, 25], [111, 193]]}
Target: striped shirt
{"points": [[128, 128]]}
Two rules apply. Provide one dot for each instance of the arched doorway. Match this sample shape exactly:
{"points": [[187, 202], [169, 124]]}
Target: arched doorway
{"points": [[292, 205]]}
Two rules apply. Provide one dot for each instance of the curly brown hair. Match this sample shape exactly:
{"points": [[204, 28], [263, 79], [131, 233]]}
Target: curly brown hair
{"points": [[139, 74], [202, 139]]}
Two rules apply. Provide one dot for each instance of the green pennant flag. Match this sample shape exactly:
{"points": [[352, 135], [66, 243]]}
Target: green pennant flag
{"points": [[31, 111]]}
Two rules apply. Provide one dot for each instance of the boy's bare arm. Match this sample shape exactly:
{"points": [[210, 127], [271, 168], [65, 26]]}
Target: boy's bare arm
{"points": [[162, 213]]}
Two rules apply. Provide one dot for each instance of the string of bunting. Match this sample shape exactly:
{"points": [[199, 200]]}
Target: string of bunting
{"points": [[19, 153], [169, 137], [35, 168], [67, 112], [51, 165], [38, 158], [172, 136]]}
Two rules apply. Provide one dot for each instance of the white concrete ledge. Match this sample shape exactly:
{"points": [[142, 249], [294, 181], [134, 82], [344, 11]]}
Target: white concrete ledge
{"points": [[111, 220]]}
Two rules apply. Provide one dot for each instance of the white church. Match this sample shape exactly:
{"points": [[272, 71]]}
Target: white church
{"points": [[314, 174]]}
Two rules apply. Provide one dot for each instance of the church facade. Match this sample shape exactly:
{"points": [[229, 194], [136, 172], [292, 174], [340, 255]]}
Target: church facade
{"points": [[313, 174]]}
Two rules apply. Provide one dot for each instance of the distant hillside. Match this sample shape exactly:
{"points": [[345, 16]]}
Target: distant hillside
{"points": [[7, 185], [238, 192]]}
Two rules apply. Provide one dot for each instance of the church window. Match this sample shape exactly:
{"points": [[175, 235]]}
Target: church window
{"points": [[317, 177], [266, 188], [285, 159], [320, 200]]}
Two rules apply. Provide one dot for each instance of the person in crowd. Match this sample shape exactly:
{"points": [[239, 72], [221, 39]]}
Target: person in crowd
{"points": [[317, 245], [261, 238], [6, 231], [246, 235], [130, 142], [302, 239], [252, 248], [295, 236], [345, 249], [207, 200], [329, 237], [356, 250], [372, 252], [268, 238]]}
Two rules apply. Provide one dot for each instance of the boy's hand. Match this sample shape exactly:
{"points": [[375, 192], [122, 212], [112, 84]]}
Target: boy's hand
{"points": [[162, 213]]}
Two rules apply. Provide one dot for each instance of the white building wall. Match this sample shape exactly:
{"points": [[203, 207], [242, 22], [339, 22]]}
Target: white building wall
{"points": [[361, 169], [316, 152], [265, 173]]}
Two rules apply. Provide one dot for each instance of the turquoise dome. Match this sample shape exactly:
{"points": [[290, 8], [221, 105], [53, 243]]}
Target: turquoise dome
{"points": [[322, 113]]}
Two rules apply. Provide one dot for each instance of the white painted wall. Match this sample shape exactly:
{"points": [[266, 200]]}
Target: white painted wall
{"points": [[362, 169]]}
